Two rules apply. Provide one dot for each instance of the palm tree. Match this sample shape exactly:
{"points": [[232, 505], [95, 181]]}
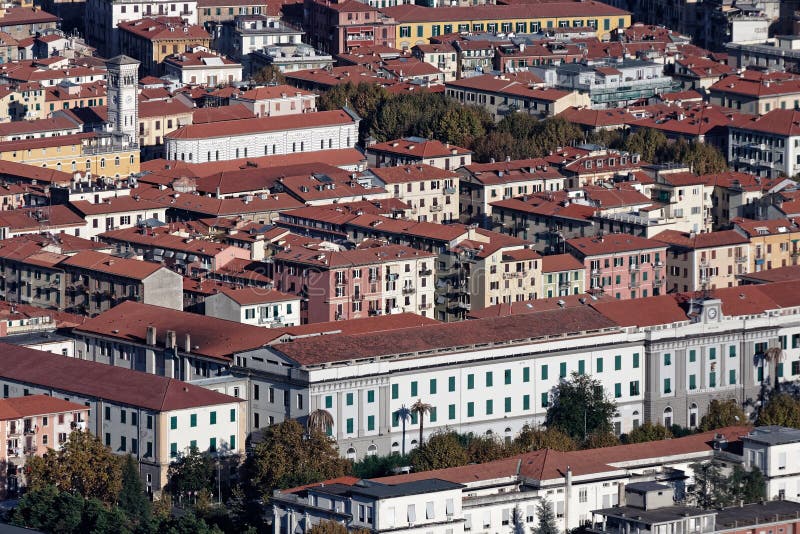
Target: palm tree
{"points": [[320, 420], [774, 355], [403, 414], [421, 409]]}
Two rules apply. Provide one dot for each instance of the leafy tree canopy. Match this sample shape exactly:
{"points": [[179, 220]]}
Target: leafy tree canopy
{"points": [[648, 432], [579, 408], [782, 409], [441, 450], [721, 414]]}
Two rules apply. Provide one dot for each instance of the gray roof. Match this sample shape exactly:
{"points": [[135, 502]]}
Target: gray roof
{"points": [[644, 487], [754, 514], [376, 490], [773, 435], [122, 59], [655, 516]]}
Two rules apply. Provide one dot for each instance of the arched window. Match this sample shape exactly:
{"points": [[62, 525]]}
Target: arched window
{"points": [[88, 164], [58, 166], [132, 159], [116, 161], [395, 447], [102, 163], [74, 166], [372, 450], [667, 417], [693, 415], [351, 454]]}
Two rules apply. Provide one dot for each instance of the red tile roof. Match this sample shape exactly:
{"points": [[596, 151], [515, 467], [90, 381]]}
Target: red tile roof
{"points": [[426, 148], [263, 124], [19, 407], [414, 13], [380, 323], [256, 295], [272, 92], [221, 113], [722, 238], [411, 173], [121, 204], [785, 122], [642, 312], [753, 228], [108, 382], [612, 244], [108, 264], [164, 29], [560, 262]]}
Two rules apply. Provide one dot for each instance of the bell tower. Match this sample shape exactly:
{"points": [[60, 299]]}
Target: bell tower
{"points": [[123, 101]]}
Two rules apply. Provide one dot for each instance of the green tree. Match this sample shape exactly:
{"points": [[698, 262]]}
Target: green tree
{"points": [[45, 508], [546, 523], [721, 414], [711, 487], [421, 409], [132, 498], [580, 408], [442, 449], [289, 456], [83, 466], [648, 432], [647, 143], [748, 486], [191, 474], [269, 74], [534, 438], [599, 440], [379, 466], [486, 448], [781, 409]]}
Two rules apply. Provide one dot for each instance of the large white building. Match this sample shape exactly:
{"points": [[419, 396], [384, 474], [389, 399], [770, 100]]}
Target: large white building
{"points": [[263, 136], [766, 145]]}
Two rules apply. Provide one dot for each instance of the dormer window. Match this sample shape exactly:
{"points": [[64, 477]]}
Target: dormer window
{"points": [[611, 162], [589, 164], [599, 163]]}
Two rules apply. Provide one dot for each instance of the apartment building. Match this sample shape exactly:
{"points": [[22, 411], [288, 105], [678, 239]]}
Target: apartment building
{"points": [[211, 13], [103, 18], [709, 260], [200, 67], [624, 266], [152, 40], [35, 220], [418, 150], [158, 118], [430, 192], [768, 449], [766, 145], [562, 275], [482, 184], [255, 306], [31, 426], [509, 94], [756, 93], [37, 128], [22, 22], [250, 33], [153, 418], [416, 24], [687, 198], [289, 58], [349, 284], [263, 136], [277, 100], [339, 27], [116, 213], [773, 243], [442, 56]]}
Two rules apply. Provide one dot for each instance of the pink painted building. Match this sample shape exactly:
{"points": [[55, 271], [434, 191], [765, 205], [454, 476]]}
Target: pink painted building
{"points": [[30, 426], [622, 266], [341, 26], [350, 284]]}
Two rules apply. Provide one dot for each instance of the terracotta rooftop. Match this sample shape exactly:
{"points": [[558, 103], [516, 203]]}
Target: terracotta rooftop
{"points": [[108, 264], [722, 238], [20, 407], [254, 295], [560, 262], [414, 13], [612, 244], [221, 113], [263, 124], [411, 173], [418, 148], [108, 382], [164, 29]]}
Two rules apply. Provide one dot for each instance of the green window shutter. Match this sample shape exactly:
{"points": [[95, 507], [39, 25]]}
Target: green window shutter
{"points": [[545, 400], [581, 367], [451, 384], [599, 365], [414, 418], [712, 380], [780, 369], [562, 369], [173, 422], [544, 372], [667, 385], [349, 398], [433, 386], [732, 377], [526, 374], [732, 351], [414, 388], [233, 415], [451, 412], [508, 404], [635, 360], [212, 444], [432, 415], [617, 390], [489, 407], [470, 409], [526, 402], [173, 448], [761, 373], [508, 376], [395, 391], [371, 395], [328, 402], [712, 353], [232, 442], [489, 379], [395, 419], [692, 355], [370, 422], [617, 362], [667, 359], [193, 420], [213, 418], [692, 382], [350, 426], [470, 381]]}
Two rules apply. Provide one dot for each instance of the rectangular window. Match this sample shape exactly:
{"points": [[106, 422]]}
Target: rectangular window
{"points": [[350, 425], [395, 392], [233, 415], [599, 366], [232, 442], [370, 422], [732, 351], [635, 360], [692, 382], [544, 372], [692, 356], [489, 379], [712, 380], [780, 369], [581, 367], [634, 388], [212, 418], [667, 359], [212, 444], [173, 422], [328, 402], [470, 409], [526, 402], [489, 407], [433, 386], [796, 367], [562, 369], [371, 396], [432, 414], [526, 374], [617, 362], [173, 450], [108, 414], [507, 376], [508, 404], [193, 420], [451, 411], [667, 385], [545, 400], [617, 390], [451, 384], [470, 381], [712, 353], [123, 415], [349, 399], [414, 388], [732, 377]]}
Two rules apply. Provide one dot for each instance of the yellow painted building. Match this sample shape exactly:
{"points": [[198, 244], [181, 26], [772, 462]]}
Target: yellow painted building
{"points": [[773, 243], [82, 153], [417, 24]]}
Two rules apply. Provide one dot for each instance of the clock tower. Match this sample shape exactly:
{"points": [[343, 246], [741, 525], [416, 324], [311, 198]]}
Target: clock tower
{"points": [[123, 102]]}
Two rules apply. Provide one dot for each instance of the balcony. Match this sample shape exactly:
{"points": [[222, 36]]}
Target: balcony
{"points": [[341, 281], [408, 290], [634, 267], [436, 207], [595, 272], [425, 272], [517, 274], [358, 297], [633, 284], [425, 306], [740, 259], [464, 306], [374, 278], [450, 191], [658, 282]]}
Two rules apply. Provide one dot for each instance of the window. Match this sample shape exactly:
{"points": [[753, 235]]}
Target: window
{"points": [[545, 400], [635, 360], [451, 411], [732, 351], [328, 402], [526, 402], [712, 353], [732, 377], [395, 391], [233, 415], [667, 359], [470, 409], [562, 369], [371, 422], [107, 410], [712, 379], [470, 381], [489, 379], [212, 444], [692, 356], [371, 396], [617, 362], [212, 420], [432, 386], [599, 366], [350, 425], [173, 450], [581, 367], [617, 390], [149, 422], [489, 407], [526, 374], [507, 376], [667, 385], [451, 384], [544, 372], [349, 399], [232, 442], [173, 422], [193, 420], [634, 388]]}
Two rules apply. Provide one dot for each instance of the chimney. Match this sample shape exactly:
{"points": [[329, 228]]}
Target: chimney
{"points": [[188, 342], [170, 342], [151, 335]]}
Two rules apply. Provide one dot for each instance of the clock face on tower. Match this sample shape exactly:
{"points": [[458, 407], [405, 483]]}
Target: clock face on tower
{"points": [[712, 313], [128, 99]]}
